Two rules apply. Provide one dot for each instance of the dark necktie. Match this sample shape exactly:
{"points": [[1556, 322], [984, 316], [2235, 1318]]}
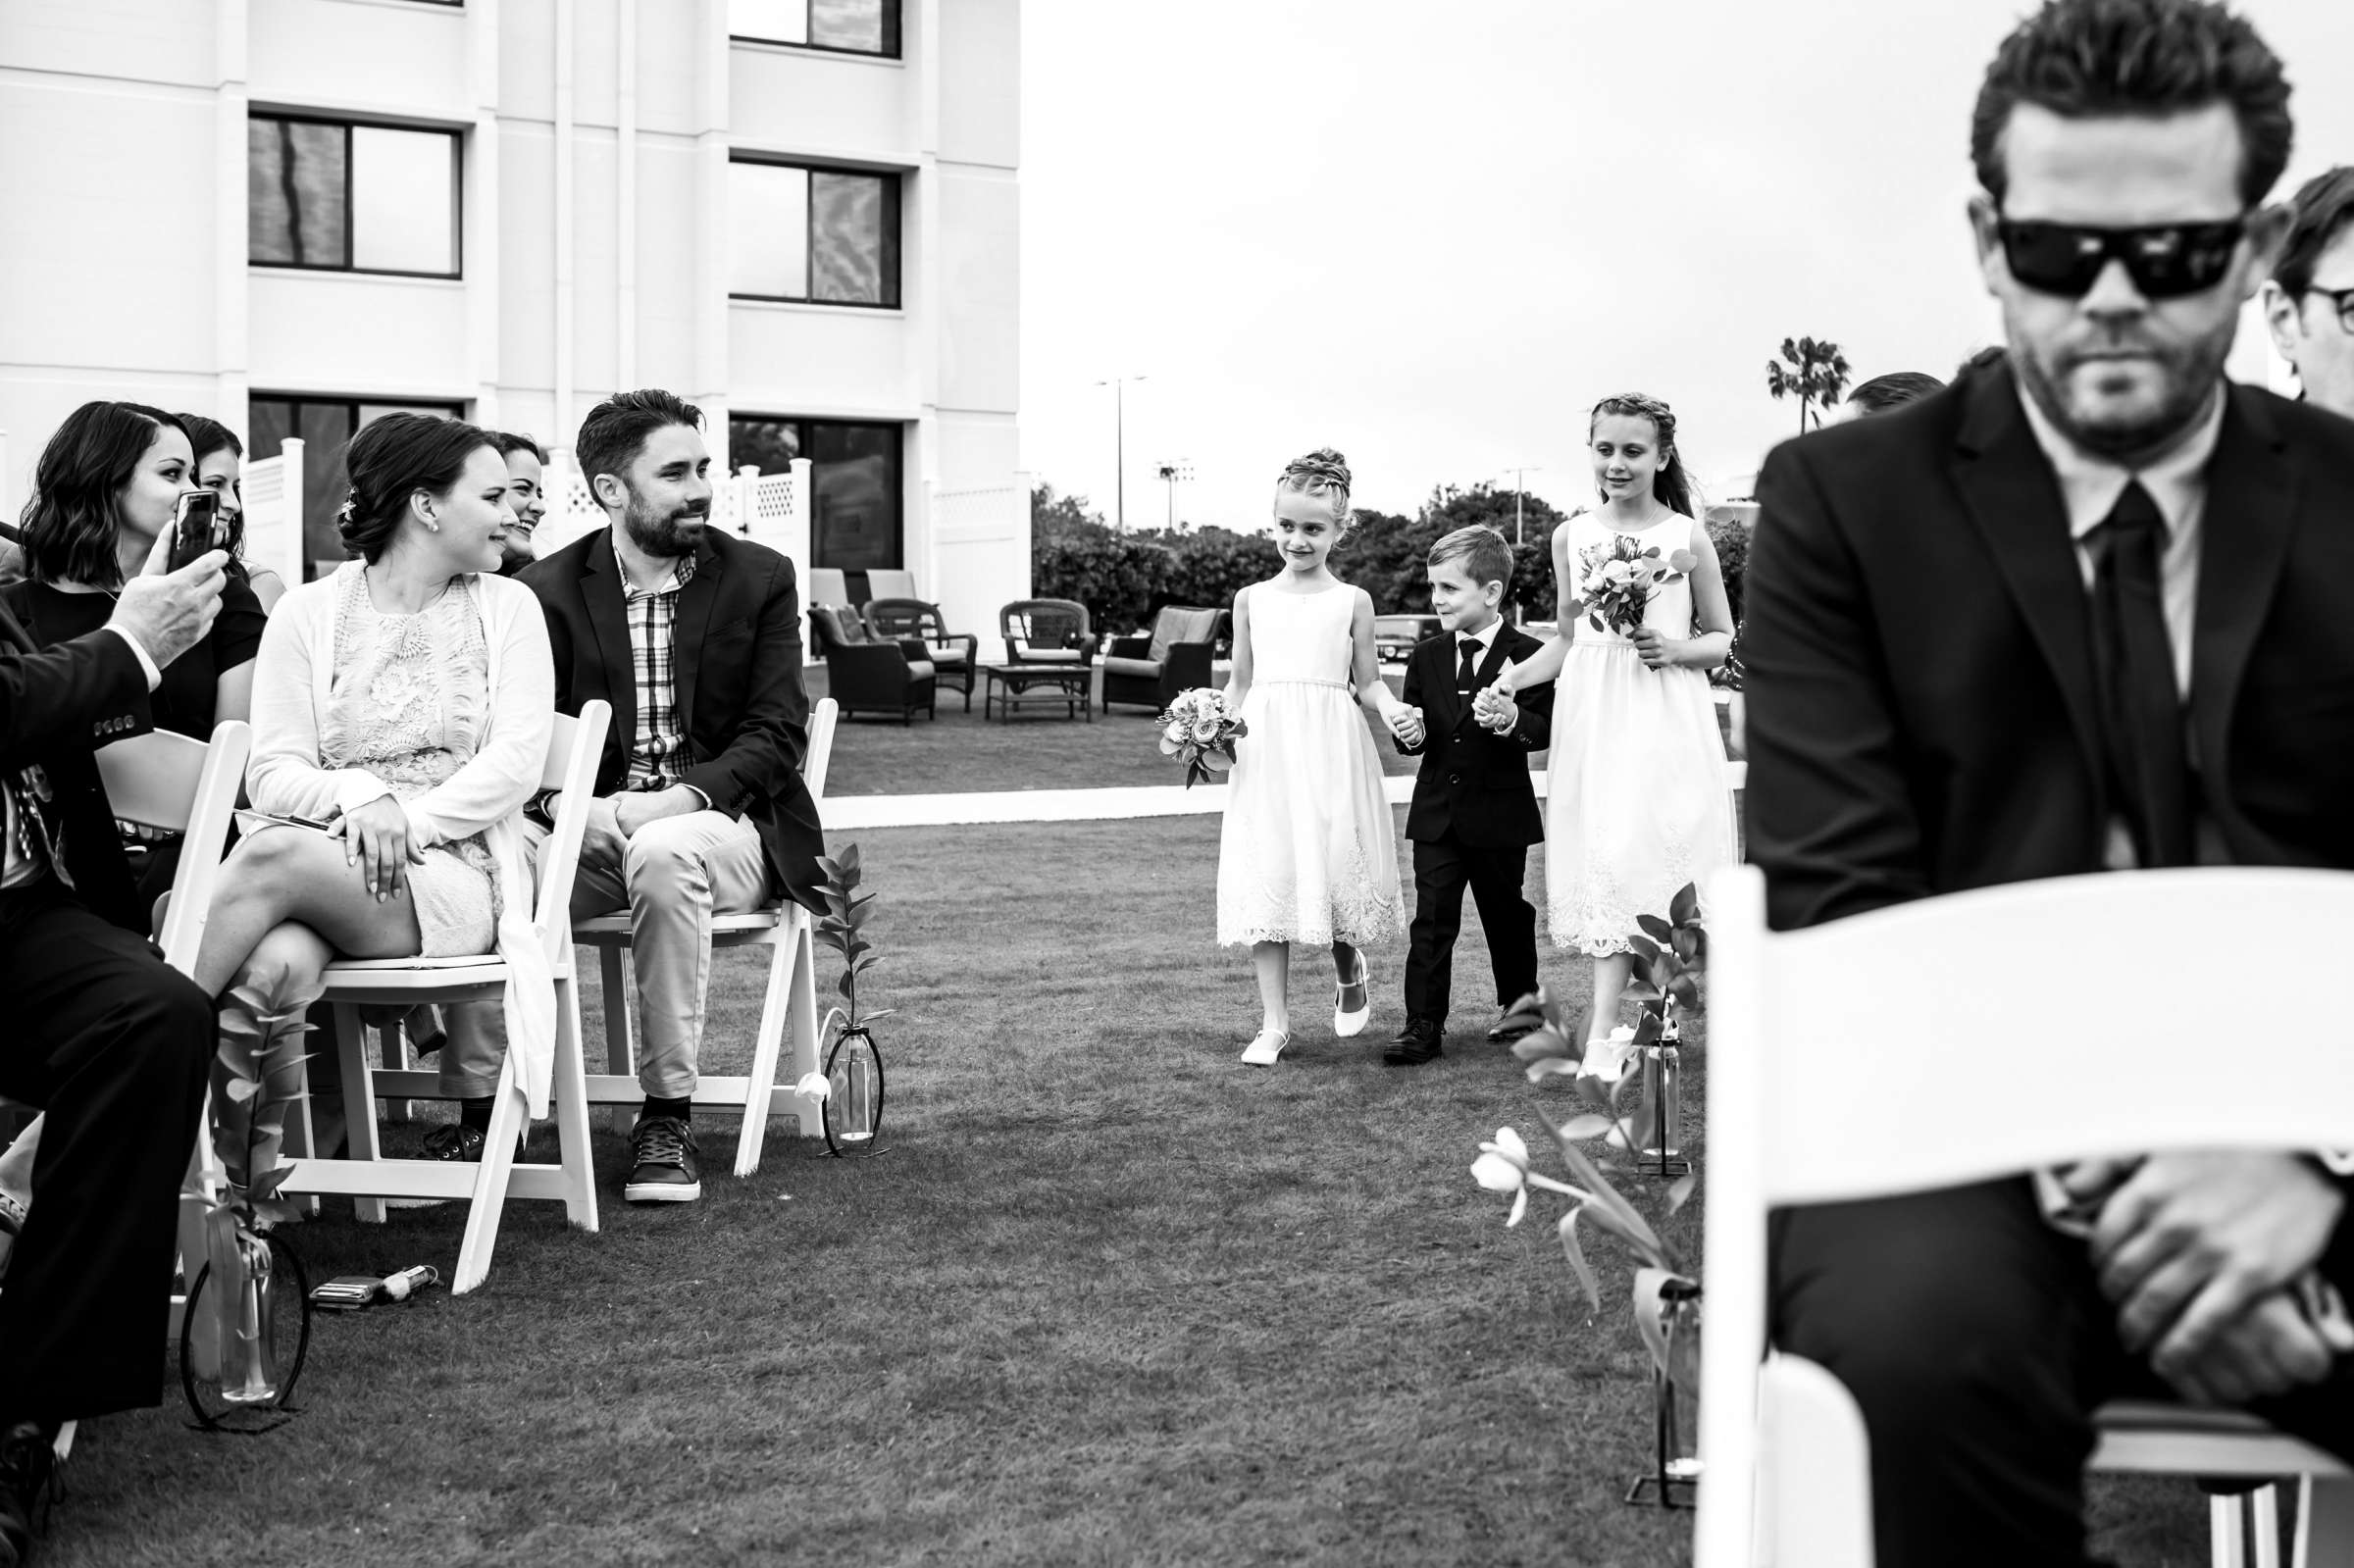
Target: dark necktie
{"points": [[1467, 679], [2141, 707]]}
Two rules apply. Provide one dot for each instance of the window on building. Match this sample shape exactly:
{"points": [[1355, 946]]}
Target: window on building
{"points": [[848, 26], [829, 237], [326, 427], [330, 196], [857, 490]]}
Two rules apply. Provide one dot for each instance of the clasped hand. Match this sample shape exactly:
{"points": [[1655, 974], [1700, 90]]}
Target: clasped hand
{"points": [[1493, 708], [377, 839], [2197, 1250]]}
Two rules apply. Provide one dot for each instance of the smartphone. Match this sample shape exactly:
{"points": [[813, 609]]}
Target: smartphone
{"points": [[195, 527]]}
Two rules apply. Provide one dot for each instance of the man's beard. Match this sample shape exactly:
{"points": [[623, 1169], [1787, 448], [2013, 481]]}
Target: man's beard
{"points": [[663, 534], [2187, 378]]}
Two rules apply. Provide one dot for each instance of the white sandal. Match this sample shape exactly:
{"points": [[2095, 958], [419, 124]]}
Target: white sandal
{"points": [[1346, 1022], [1265, 1047]]}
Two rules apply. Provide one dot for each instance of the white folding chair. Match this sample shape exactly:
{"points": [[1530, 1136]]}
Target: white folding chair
{"points": [[829, 585], [885, 583], [785, 929], [352, 984], [1809, 1103], [172, 781]]}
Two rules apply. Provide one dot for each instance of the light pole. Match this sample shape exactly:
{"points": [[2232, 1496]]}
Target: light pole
{"points": [[1520, 472], [1120, 448], [1177, 471]]}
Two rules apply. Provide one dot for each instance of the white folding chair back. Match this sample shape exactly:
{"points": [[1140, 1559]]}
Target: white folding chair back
{"points": [[789, 1006], [1833, 1057], [887, 583], [571, 767], [189, 787], [829, 585]]}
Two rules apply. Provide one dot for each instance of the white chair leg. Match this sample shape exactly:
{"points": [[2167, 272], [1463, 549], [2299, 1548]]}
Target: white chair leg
{"points": [[2264, 1521], [570, 1091], [359, 1101], [2326, 1523], [804, 1026], [773, 1023], [489, 1199], [396, 1055], [613, 964], [300, 1139], [2228, 1532]]}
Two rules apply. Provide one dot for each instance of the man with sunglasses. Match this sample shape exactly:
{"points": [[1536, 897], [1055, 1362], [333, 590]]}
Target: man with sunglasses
{"points": [[2083, 610], [2309, 303]]}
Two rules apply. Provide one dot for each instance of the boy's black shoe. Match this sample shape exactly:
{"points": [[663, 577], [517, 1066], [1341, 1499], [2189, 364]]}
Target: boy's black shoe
{"points": [[1417, 1042], [1510, 1026], [27, 1453]]}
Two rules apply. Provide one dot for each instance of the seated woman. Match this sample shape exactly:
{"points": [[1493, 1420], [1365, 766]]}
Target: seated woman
{"points": [[219, 456], [407, 701], [107, 485]]}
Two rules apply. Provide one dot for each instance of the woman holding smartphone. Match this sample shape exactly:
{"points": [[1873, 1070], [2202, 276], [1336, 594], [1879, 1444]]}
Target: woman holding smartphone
{"points": [[219, 456]]}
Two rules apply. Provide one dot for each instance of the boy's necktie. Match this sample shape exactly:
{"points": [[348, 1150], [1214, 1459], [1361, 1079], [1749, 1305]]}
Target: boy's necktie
{"points": [[1467, 679]]}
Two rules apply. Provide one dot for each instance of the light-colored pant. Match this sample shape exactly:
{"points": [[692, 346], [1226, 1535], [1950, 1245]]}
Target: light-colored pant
{"points": [[675, 876]]}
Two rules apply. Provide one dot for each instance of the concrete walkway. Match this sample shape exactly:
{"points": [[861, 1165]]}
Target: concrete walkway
{"points": [[849, 813]]}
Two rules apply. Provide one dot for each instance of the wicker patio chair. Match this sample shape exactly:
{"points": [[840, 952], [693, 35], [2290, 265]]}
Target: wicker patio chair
{"points": [[1148, 671], [871, 674], [954, 655]]}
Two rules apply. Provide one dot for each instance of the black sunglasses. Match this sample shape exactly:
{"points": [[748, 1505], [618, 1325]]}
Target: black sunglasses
{"points": [[2166, 261]]}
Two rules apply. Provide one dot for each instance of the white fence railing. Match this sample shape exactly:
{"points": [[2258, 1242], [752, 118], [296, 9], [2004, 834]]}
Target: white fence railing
{"points": [[273, 491], [772, 508]]}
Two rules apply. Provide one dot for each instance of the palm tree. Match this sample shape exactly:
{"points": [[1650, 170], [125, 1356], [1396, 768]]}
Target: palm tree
{"points": [[1815, 374]]}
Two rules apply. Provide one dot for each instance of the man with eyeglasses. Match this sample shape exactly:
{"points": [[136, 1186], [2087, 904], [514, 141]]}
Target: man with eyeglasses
{"points": [[2309, 303], [2083, 610]]}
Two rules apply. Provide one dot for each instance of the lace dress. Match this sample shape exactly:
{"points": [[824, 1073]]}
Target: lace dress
{"points": [[407, 692], [1636, 806], [1309, 852]]}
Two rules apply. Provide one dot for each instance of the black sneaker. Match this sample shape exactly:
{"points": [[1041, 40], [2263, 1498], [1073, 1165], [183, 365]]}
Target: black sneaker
{"points": [[663, 1163], [455, 1142], [26, 1457]]}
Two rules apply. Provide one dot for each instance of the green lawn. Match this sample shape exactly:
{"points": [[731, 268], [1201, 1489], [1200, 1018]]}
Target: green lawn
{"points": [[1107, 1299]]}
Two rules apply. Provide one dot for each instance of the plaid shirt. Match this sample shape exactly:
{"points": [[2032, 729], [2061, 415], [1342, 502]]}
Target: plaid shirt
{"points": [[658, 752]]}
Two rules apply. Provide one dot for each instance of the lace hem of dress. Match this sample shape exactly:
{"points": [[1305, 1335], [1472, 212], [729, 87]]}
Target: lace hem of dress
{"points": [[1358, 912]]}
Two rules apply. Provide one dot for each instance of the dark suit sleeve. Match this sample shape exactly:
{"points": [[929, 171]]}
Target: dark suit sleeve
{"points": [[54, 698], [764, 758], [1830, 819], [1413, 698]]}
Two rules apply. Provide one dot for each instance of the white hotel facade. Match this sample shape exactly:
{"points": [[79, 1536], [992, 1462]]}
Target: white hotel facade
{"points": [[294, 215]]}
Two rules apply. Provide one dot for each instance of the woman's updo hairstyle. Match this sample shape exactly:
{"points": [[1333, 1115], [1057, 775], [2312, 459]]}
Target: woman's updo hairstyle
{"points": [[1322, 472], [393, 458], [1672, 484]]}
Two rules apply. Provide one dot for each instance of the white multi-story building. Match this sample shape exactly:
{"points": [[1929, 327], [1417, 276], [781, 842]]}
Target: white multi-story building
{"points": [[294, 215]]}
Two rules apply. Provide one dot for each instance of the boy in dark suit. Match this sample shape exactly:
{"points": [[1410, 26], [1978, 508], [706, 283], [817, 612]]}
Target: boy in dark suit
{"points": [[1474, 811]]}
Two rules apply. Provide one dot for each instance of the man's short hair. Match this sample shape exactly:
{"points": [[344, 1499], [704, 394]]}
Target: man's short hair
{"points": [[615, 430], [509, 443], [2083, 58], [1894, 390], [2321, 210], [1485, 555]]}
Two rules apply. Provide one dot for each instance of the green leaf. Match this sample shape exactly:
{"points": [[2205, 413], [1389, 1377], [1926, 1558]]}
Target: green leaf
{"points": [[269, 1181], [1654, 927], [829, 867], [1542, 1045], [866, 963], [849, 860], [1687, 992], [1589, 1126], [880, 1012], [1681, 1191], [1558, 1067], [1684, 907], [1643, 947], [241, 1089], [1577, 1256], [847, 986], [1647, 1029]]}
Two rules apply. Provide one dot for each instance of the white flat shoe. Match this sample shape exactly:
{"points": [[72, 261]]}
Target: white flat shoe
{"points": [[1353, 1001], [1265, 1047]]}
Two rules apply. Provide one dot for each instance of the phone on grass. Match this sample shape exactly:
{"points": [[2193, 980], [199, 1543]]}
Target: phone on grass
{"points": [[196, 528]]}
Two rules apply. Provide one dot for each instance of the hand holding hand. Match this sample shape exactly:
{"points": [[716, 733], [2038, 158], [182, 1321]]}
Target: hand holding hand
{"points": [[604, 842], [2267, 1351], [377, 838], [1494, 710], [2191, 1241], [1656, 652], [1405, 724], [170, 612]]}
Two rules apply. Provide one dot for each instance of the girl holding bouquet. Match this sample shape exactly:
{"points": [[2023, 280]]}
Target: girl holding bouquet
{"points": [[1307, 854], [1637, 805]]}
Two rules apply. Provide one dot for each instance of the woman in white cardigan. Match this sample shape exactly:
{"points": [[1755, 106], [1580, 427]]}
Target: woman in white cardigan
{"points": [[405, 702]]}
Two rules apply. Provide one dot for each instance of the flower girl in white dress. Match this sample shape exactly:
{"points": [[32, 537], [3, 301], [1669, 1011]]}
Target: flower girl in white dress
{"points": [[1309, 852], [1636, 804]]}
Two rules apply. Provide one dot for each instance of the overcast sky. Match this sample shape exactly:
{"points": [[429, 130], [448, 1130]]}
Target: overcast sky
{"points": [[1432, 235]]}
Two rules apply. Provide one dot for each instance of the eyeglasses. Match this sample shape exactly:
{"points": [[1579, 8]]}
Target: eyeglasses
{"points": [[2166, 261], [2341, 300]]}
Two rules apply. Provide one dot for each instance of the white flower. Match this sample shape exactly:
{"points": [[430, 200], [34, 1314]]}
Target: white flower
{"points": [[813, 1087], [1176, 733], [1503, 1167], [1618, 570]]}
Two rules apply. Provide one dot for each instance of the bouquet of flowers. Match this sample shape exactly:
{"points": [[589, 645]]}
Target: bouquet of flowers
{"points": [[1618, 579], [1202, 730]]}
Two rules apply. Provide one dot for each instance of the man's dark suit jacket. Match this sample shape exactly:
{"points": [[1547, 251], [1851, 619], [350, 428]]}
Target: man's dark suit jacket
{"points": [[1474, 783], [1921, 678], [57, 706], [737, 641]]}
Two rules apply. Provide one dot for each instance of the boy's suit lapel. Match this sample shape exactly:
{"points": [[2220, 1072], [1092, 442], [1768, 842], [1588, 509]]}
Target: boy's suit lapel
{"points": [[1438, 677]]}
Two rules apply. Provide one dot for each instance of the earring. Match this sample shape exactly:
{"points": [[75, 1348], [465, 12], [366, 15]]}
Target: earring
{"points": [[434, 526]]}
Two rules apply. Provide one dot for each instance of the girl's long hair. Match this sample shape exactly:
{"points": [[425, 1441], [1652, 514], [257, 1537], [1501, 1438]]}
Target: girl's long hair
{"points": [[73, 521], [1672, 484]]}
